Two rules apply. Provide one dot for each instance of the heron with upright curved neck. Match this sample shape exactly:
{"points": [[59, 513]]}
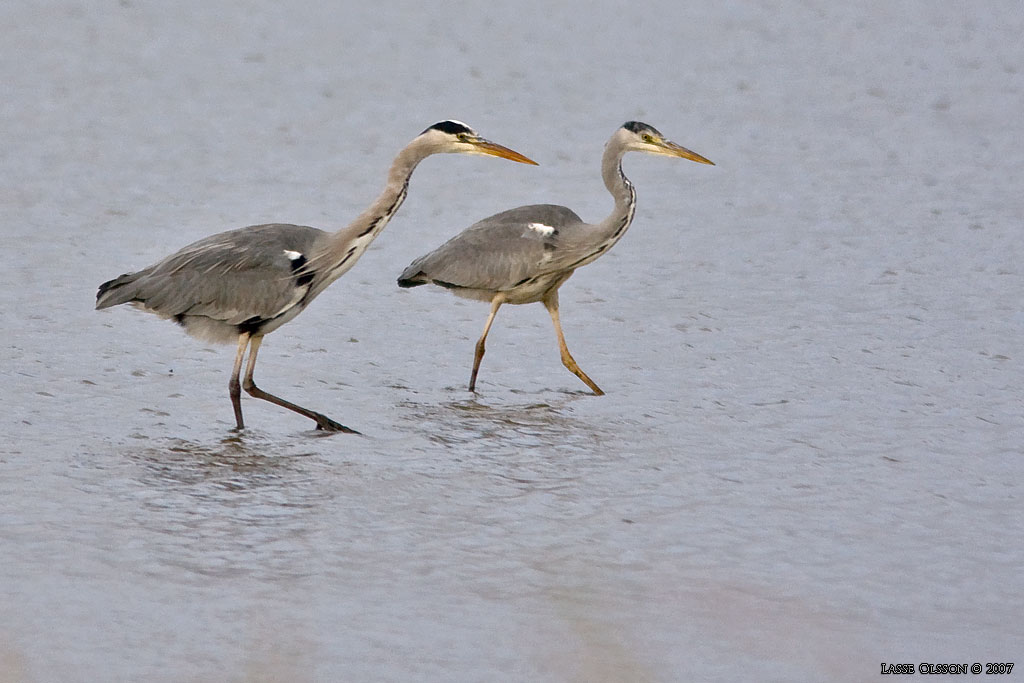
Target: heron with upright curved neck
{"points": [[524, 255]]}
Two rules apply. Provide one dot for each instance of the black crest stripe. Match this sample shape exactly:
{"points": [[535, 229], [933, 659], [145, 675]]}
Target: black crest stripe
{"points": [[450, 127]]}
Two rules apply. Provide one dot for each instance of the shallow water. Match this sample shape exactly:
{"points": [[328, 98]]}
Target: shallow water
{"points": [[809, 457]]}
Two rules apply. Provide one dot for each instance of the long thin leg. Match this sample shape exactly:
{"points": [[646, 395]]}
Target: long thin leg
{"points": [[234, 387], [322, 421], [551, 303], [496, 303]]}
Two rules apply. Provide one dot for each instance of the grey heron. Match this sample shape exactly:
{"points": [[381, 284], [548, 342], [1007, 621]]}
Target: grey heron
{"points": [[524, 255], [240, 285]]}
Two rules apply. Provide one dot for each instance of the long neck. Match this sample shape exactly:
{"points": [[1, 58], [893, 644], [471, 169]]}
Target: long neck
{"points": [[602, 236], [614, 226], [342, 249]]}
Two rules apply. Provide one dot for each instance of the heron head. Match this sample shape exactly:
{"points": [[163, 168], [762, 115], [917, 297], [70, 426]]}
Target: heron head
{"points": [[641, 137], [458, 138]]}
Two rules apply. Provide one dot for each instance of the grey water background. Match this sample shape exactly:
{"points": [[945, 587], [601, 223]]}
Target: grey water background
{"points": [[810, 455]]}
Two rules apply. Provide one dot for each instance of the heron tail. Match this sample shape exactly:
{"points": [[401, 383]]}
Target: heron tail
{"points": [[412, 277], [116, 291]]}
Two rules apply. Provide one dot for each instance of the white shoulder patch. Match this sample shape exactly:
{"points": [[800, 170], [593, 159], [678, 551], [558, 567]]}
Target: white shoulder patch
{"points": [[541, 228], [292, 255]]}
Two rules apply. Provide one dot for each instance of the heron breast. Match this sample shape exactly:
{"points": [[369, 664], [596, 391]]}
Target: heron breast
{"points": [[535, 288]]}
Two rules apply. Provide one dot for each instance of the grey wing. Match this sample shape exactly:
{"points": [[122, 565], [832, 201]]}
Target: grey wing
{"points": [[498, 252], [233, 277]]}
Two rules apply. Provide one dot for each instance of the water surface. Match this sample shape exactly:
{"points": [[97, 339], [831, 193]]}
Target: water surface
{"points": [[808, 460]]}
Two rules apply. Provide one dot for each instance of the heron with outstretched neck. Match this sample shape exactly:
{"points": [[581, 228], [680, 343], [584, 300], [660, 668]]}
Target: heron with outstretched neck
{"points": [[524, 255], [241, 285]]}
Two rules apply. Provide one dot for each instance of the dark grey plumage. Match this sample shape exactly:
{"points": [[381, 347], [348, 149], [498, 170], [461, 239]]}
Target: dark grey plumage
{"points": [[525, 254], [501, 253], [244, 284], [248, 279]]}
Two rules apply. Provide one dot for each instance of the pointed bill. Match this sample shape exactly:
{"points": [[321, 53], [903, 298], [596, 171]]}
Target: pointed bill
{"points": [[672, 149], [494, 149]]}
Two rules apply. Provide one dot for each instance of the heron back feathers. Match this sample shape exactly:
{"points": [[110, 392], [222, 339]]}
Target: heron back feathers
{"points": [[498, 252], [234, 278]]}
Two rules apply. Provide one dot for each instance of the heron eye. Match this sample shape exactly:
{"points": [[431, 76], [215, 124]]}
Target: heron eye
{"points": [[647, 137]]}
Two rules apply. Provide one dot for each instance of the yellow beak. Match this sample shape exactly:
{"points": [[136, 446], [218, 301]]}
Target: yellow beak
{"points": [[672, 149], [494, 149]]}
